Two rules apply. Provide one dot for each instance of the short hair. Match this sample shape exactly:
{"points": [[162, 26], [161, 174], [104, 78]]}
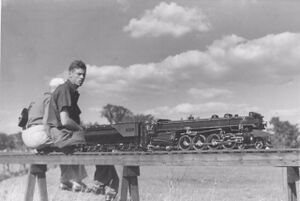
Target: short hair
{"points": [[77, 64]]}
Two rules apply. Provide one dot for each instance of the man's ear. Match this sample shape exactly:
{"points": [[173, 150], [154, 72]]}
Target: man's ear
{"points": [[70, 74]]}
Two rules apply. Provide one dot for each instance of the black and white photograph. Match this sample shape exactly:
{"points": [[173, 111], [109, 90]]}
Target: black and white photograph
{"points": [[150, 100]]}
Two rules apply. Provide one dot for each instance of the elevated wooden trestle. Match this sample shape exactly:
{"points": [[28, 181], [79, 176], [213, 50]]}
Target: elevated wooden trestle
{"points": [[132, 160]]}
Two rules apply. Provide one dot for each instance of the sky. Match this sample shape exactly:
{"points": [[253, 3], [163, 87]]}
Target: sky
{"points": [[170, 59]]}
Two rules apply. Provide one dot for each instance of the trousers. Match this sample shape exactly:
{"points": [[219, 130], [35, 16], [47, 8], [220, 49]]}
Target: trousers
{"points": [[105, 174], [72, 172]]}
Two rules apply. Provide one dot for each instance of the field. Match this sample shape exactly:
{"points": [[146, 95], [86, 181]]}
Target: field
{"points": [[175, 184]]}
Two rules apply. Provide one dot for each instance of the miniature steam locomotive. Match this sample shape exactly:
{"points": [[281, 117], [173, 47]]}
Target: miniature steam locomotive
{"points": [[228, 132]]}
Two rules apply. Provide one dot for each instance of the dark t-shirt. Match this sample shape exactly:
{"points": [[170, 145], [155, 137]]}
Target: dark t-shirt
{"points": [[64, 97]]}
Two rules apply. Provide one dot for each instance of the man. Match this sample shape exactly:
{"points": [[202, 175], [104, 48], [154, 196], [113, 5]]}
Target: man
{"points": [[35, 136], [65, 129]]}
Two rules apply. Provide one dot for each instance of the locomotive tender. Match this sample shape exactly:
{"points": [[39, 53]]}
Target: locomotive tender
{"points": [[227, 132]]}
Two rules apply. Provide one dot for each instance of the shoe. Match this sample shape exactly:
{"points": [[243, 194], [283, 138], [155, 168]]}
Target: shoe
{"points": [[65, 186], [110, 194], [78, 186], [44, 150], [98, 188], [68, 149]]}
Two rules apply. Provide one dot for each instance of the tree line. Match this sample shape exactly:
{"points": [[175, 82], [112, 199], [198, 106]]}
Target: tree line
{"points": [[11, 142], [284, 134]]}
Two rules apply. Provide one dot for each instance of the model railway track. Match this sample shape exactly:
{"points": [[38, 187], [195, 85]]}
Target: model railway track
{"points": [[192, 152]]}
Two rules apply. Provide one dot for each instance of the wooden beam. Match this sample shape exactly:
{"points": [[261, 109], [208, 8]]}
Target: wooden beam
{"points": [[36, 173], [29, 192], [42, 184], [292, 178], [283, 158], [129, 183]]}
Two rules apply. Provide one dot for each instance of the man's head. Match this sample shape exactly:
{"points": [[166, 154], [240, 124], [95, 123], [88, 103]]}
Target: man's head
{"points": [[54, 83], [77, 71]]}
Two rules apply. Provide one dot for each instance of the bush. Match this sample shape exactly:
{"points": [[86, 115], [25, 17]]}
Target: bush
{"points": [[286, 135]]}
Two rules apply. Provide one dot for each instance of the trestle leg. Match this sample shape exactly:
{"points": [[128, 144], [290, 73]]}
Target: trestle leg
{"points": [[292, 178], [129, 183], [36, 173]]}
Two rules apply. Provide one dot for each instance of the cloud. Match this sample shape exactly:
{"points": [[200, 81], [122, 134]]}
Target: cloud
{"points": [[204, 110], [168, 19], [293, 112], [272, 59], [209, 93], [5, 112], [124, 4], [54, 82]]}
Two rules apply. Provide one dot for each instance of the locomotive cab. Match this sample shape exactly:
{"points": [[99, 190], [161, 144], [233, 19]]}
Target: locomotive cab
{"points": [[258, 118]]}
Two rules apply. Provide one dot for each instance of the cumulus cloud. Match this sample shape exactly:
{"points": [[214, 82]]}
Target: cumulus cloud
{"points": [[204, 110], [287, 112], [168, 19], [54, 82], [5, 112], [209, 93], [231, 59]]}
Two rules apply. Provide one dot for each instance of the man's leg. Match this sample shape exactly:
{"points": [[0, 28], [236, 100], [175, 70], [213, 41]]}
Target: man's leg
{"points": [[64, 139], [72, 176], [65, 177], [106, 175]]}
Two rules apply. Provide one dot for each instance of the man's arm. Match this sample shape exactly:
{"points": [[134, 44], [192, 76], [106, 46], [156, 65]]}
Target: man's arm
{"points": [[67, 122]]}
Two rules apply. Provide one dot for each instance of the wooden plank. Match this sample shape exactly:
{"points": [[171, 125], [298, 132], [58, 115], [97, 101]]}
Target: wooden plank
{"points": [[134, 188], [29, 192], [292, 193], [124, 188], [129, 183], [292, 174], [129, 171], [42, 184], [292, 177], [281, 158]]}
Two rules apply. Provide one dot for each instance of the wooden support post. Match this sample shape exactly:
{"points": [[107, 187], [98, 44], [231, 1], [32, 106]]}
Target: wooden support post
{"points": [[30, 187], [36, 173], [129, 183], [292, 177], [42, 184]]}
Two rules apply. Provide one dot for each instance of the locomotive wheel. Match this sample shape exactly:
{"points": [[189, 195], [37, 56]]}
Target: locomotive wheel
{"points": [[259, 144], [241, 146], [213, 141], [184, 142], [228, 143], [199, 142]]}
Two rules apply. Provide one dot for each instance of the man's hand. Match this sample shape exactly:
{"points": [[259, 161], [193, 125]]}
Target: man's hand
{"points": [[69, 123]]}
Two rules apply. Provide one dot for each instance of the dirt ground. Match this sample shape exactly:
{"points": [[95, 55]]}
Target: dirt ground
{"points": [[175, 184]]}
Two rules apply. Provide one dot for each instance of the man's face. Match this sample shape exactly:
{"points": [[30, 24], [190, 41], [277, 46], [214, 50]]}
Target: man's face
{"points": [[77, 76]]}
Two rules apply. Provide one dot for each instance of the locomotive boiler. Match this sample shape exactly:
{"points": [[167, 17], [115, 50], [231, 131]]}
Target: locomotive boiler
{"points": [[227, 132]]}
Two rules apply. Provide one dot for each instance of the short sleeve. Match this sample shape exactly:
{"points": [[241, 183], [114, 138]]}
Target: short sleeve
{"points": [[63, 98]]}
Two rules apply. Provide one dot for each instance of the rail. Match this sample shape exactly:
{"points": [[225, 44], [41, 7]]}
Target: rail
{"points": [[289, 158]]}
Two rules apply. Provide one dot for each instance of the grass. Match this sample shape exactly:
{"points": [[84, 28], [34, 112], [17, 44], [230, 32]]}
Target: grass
{"points": [[175, 184]]}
